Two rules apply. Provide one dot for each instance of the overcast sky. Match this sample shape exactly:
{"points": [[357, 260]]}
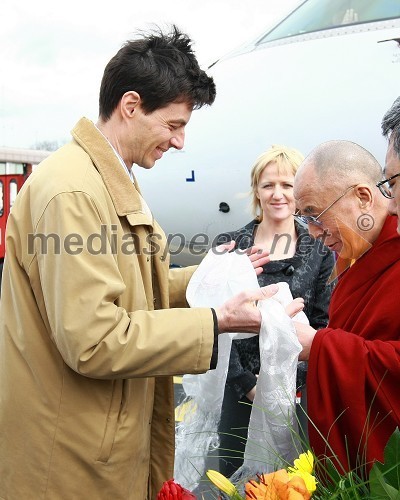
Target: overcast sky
{"points": [[53, 54]]}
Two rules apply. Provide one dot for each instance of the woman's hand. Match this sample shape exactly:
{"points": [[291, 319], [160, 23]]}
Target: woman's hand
{"points": [[252, 392], [258, 257]]}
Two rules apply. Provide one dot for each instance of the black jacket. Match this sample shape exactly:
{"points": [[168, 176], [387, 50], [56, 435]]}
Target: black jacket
{"points": [[306, 273]]}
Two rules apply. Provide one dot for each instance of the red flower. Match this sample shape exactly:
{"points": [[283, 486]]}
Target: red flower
{"points": [[174, 491]]}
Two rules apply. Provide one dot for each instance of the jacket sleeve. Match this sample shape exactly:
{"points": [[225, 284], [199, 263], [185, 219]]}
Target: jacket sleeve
{"points": [[178, 282], [323, 291], [80, 291], [239, 379]]}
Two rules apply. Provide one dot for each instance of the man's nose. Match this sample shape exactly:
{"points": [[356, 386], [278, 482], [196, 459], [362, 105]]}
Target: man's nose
{"points": [[316, 232], [178, 140], [392, 207]]}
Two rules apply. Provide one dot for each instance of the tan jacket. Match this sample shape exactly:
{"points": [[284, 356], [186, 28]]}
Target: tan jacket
{"points": [[88, 342]]}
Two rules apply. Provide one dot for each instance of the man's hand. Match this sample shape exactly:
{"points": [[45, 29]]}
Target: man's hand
{"points": [[305, 334], [295, 307], [240, 313]]}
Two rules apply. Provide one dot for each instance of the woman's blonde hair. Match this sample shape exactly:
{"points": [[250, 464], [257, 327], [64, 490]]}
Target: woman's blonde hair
{"points": [[287, 161]]}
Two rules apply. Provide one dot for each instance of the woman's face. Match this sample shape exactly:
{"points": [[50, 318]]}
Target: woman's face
{"points": [[275, 192]]}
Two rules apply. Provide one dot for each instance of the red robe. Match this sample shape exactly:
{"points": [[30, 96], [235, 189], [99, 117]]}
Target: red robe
{"points": [[354, 367]]}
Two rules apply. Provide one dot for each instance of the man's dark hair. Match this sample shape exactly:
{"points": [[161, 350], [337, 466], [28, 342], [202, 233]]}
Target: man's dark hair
{"points": [[161, 68], [391, 125]]}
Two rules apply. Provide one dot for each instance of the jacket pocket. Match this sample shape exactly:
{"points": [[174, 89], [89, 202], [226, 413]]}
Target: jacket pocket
{"points": [[111, 426]]}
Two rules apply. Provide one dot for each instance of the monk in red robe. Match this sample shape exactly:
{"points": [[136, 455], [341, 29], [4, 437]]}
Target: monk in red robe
{"points": [[354, 364]]}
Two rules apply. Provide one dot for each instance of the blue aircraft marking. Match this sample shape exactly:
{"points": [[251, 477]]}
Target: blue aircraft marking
{"points": [[191, 179]]}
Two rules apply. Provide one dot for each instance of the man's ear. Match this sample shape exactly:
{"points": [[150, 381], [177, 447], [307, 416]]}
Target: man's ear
{"points": [[129, 102], [364, 195]]}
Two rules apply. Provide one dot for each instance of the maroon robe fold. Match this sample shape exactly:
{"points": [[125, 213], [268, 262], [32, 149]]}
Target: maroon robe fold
{"points": [[354, 367]]}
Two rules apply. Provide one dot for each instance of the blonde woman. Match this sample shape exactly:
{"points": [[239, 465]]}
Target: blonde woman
{"points": [[297, 259]]}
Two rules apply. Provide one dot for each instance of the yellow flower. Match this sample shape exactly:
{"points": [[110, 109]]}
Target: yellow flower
{"points": [[222, 483], [303, 467], [305, 463], [309, 479]]}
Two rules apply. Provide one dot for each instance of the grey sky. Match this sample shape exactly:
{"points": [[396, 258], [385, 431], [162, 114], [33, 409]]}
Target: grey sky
{"points": [[52, 54]]}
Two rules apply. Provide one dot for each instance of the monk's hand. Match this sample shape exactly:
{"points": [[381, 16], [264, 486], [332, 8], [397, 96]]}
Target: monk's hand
{"points": [[258, 257], [295, 307], [240, 313], [305, 334]]}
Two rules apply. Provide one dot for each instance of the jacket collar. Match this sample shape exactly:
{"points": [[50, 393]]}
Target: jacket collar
{"points": [[125, 195]]}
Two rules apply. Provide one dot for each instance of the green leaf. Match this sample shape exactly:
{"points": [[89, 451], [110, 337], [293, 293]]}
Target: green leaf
{"points": [[391, 468], [380, 489], [331, 473]]}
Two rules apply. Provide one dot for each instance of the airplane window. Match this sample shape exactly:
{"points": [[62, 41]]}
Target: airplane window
{"points": [[318, 15]]}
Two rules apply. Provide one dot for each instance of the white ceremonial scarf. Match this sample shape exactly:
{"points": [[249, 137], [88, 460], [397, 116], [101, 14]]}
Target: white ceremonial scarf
{"points": [[272, 436]]}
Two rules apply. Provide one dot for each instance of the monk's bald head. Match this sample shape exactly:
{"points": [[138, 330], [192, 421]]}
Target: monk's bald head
{"points": [[337, 164], [336, 186]]}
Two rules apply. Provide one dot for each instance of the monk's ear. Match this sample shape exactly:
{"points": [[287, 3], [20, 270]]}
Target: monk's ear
{"points": [[364, 195], [129, 102]]}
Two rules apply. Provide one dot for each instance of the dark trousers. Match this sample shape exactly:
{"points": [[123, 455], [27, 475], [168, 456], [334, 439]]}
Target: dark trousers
{"points": [[232, 431]]}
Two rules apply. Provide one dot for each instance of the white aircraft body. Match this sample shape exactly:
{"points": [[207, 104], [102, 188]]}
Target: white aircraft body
{"points": [[329, 70]]}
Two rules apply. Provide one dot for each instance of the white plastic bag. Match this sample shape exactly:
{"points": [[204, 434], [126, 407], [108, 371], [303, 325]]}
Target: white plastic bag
{"points": [[218, 278]]}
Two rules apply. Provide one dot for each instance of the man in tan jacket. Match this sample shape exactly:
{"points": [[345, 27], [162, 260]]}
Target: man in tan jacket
{"points": [[93, 322]]}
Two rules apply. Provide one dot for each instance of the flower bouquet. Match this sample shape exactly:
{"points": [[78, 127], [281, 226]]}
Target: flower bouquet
{"points": [[293, 483], [301, 480]]}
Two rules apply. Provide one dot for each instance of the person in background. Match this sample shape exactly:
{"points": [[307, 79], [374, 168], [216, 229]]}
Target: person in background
{"points": [[354, 363], [93, 323], [295, 258], [390, 185]]}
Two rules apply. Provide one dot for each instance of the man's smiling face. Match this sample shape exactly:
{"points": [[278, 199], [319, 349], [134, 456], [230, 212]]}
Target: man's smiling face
{"points": [[154, 133]]}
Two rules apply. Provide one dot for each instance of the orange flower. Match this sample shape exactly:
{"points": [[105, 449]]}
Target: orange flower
{"points": [[277, 486]]}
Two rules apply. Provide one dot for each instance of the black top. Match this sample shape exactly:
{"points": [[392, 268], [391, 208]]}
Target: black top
{"points": [[306, 273]]}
